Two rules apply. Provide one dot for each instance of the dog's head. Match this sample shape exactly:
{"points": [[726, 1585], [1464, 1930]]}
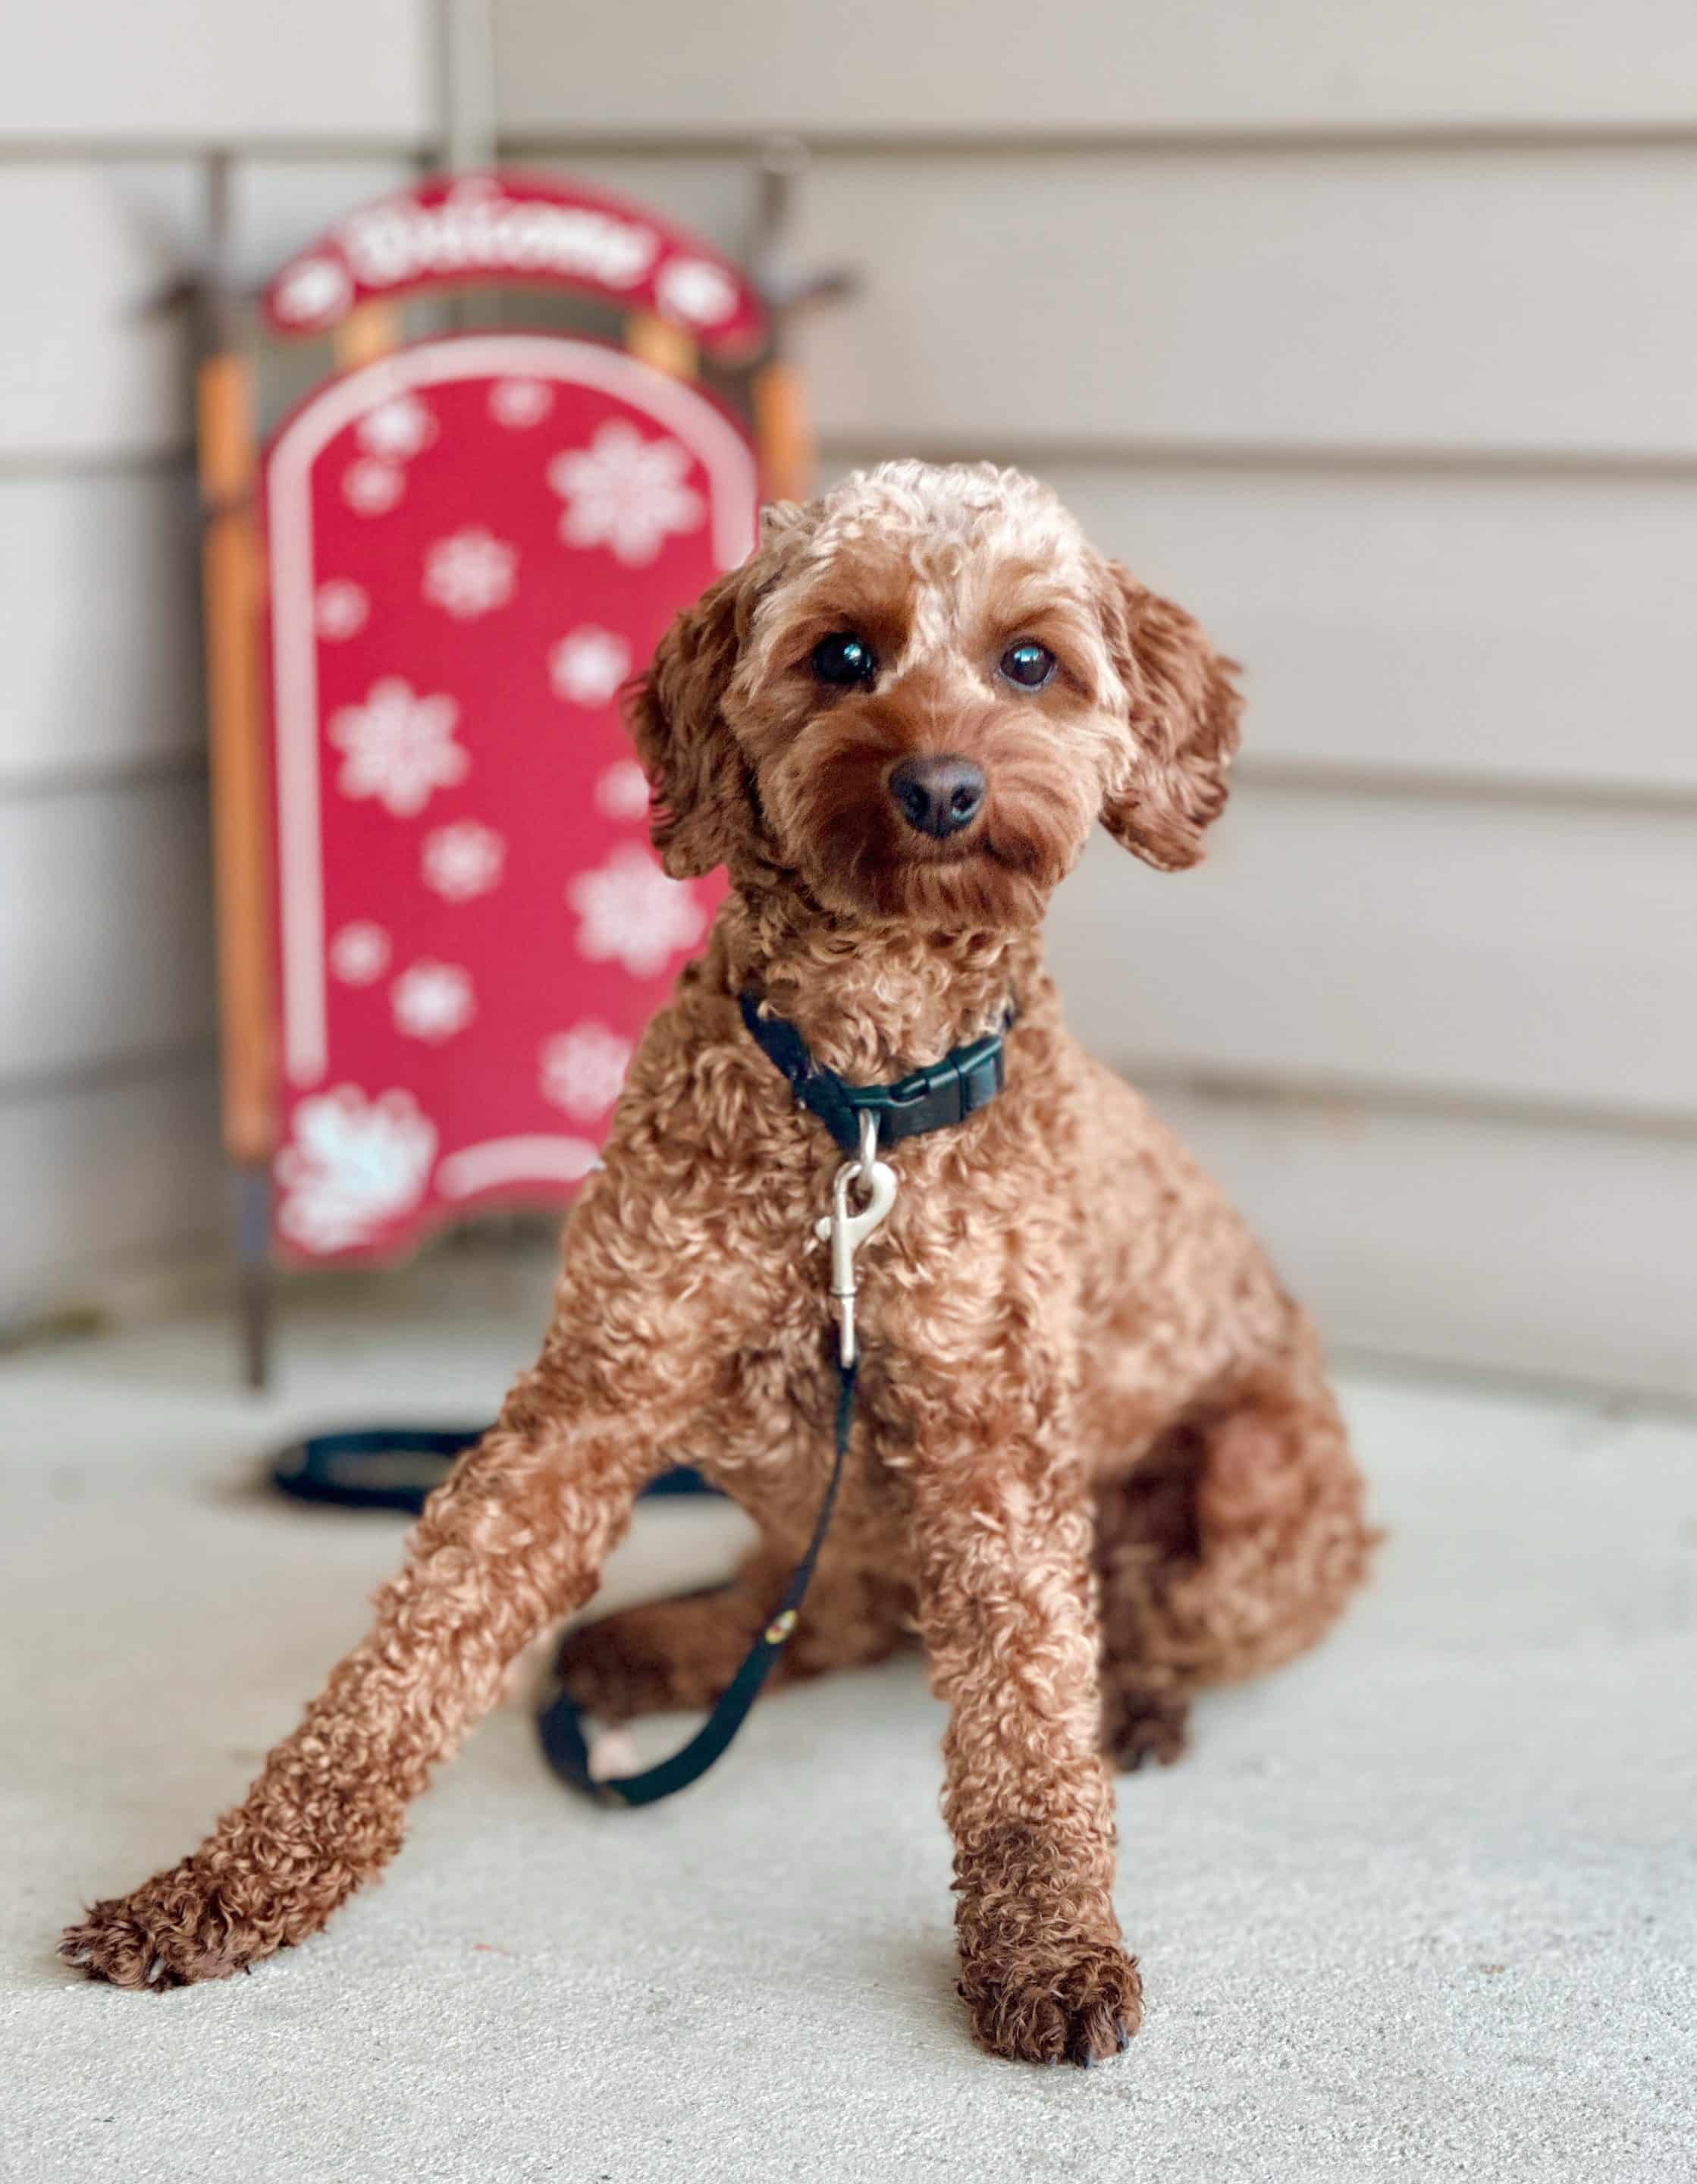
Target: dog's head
{"points": [[919, 694]]}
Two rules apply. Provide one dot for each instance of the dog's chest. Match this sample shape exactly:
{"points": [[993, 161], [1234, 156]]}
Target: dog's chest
{"points": [[771, 1442]]}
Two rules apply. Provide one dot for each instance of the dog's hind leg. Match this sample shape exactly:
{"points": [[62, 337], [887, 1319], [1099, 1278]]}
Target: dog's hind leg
{"points": [[666, 1656], [1146, 1530], [1232, 1546]]}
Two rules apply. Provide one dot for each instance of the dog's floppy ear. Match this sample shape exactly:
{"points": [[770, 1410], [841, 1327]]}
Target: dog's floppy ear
{"points": [[696, 773], [1184, 708]]}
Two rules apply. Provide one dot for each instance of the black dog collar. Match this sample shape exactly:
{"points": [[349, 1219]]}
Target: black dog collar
{"points": [[946, 1092]]}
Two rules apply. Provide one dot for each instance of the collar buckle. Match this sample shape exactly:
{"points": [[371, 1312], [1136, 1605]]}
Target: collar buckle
{"points": [[935, 1098]]}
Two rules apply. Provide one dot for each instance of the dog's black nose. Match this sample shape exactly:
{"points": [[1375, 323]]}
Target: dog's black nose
{"points": [[939, 796]]}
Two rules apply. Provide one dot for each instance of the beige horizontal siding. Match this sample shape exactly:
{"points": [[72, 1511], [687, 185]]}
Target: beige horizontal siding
{"points": [[204, 68], [1511, 954], [105, 902], [1469, 1240], [996, 66], [87, 371], [1375, 300], [278, 206], [92, 371], [101, 668], [97, 1176], [1339, 300]]}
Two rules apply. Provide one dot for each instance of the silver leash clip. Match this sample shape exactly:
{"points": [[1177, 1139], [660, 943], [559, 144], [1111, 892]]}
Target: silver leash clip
{"points": [[846, 1230]]}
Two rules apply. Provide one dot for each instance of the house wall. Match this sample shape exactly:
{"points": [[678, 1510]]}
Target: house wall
{"points": [[108, 1145], [1366, 331]]}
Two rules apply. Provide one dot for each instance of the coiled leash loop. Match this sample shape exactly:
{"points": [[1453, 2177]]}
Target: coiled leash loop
{"points": [[399, 1468], [561, 1729]]}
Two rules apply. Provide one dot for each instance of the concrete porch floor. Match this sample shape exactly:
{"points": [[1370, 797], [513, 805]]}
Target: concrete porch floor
{"points": [[1424, 1906]]}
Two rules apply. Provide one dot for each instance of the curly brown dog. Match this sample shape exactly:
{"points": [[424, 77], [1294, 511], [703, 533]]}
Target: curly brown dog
{"points": [[1096, 1461]]}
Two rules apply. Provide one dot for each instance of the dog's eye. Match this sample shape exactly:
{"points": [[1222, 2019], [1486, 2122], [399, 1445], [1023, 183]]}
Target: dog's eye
{"points": [[843, 658], [1028, 664]]}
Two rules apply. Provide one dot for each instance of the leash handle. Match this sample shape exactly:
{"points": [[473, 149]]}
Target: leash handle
{"points": [[560, 1726]]}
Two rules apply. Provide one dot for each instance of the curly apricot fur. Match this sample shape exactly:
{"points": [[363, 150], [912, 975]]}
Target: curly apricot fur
{"points": [[1095, 1465]]}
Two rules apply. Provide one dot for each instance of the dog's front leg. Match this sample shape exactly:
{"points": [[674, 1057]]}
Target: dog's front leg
{"points": [[1006, 1609], [513, 1540]]}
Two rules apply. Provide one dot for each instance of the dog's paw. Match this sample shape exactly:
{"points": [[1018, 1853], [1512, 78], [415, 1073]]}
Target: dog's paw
{"points": [[1059, 2001], [1139, 1725], [175, 1929], [662, 1656]]}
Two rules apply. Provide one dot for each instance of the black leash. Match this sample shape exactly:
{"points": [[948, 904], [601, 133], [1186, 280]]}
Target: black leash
{"points": [[398, 1468], [560, 1727]]}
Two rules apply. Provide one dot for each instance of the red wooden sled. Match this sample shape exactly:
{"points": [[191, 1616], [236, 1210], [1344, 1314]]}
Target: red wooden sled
{"points": [[442, 925]]}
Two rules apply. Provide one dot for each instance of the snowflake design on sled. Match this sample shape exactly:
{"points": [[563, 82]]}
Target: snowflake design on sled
{"points": [[519, 403], [470, 573], [314, 293], [398, 428], [629, 913], [583, 1069], [359, 953], [354, 1164], [626, 493], [621, 791], [398, 747], [587, 665], [340, 609], [432, 1001], [371, 488], [697, 291], [461, 861]]}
